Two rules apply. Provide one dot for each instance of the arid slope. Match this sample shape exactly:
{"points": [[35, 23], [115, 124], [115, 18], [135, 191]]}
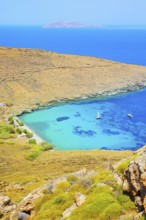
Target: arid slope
{"points": [[32, 77]]}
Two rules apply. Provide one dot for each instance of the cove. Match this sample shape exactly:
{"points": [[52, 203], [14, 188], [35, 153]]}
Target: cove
{"points": [[73, 126]]}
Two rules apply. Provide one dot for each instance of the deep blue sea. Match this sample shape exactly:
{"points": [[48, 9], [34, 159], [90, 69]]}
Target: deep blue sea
{"points": [[123, 45], [74, 125]]}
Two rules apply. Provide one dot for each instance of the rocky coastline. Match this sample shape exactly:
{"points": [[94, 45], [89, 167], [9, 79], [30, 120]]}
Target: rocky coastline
{"points": [[105, 94]]}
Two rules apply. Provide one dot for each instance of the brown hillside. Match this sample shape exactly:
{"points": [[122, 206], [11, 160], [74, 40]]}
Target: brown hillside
{"points": [[32, 77]]}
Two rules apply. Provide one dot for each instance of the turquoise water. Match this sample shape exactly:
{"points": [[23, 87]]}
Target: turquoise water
{"points": [[74, 125]]}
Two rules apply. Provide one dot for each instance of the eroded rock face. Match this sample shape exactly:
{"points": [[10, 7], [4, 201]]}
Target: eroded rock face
{"points": [[135, 180]]}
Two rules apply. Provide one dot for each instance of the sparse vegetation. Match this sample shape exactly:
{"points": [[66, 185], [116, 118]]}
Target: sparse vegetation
{"points": [[20, 123], [34, 152], [103, 177], [64, 185], [52, 206], [6, 131], [102, 201], [28, 134], [46, 146], [32, 141], [24, 159], [72, 179], [9, 104], [124, 165], [18, 130], [11, 120]]}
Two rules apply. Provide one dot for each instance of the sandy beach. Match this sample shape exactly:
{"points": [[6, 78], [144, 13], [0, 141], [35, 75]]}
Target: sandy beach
{"points": [[38, 139]]}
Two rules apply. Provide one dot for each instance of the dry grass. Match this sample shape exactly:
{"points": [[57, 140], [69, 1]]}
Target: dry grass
{"points": [[32, 77], [15, 168]]}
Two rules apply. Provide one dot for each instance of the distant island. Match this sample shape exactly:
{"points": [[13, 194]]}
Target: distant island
{"points": [[69, 25]]}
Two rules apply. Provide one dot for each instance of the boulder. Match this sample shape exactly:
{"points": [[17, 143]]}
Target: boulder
{"points": [[4, 200], [19, 216], [68, 211], [118, 179], [79, 198], [135, 180]]}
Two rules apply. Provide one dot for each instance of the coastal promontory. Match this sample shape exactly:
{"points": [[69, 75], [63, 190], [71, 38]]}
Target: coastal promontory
{"points": [[30, 78]]}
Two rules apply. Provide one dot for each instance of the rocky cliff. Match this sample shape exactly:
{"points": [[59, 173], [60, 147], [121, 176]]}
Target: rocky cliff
{"points": [[135, 180]]}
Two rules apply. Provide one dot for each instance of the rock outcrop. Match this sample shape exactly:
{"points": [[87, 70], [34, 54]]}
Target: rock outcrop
{"points": [[135, 180], [28, 203], [79, 200], [6, 205]]}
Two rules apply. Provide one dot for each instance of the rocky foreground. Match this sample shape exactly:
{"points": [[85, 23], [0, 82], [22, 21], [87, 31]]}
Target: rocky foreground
{"points": [[31, 78], [97, 194]]}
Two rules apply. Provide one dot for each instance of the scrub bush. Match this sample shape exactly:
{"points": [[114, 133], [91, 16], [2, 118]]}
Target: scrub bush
{"points": [[46, 146]]}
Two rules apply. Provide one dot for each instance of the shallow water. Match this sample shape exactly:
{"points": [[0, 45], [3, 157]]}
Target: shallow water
{"points": [[74, 125]]}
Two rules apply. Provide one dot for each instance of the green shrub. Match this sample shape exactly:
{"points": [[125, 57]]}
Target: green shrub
{"points": [[6, 131], [19, 131], [25, 131], [32, 156], [113, 211], [124, 165], [46, 146], [64, 185], [77, 188], [125, 201], [20, 123], [99, 199], [34, 153], [28, 134], [59, 200], [104, 177], [9, 104], [71, 179], [51, 206], [10, 118], [32, 141]]}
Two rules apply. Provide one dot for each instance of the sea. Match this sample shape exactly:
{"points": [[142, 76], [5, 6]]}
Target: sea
{"points": [[124, 44], [73, 126]]}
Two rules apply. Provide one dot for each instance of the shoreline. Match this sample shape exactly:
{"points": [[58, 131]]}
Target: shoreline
{"points": [[44, 78], [35, 136], [110, 95], [102, 95]]}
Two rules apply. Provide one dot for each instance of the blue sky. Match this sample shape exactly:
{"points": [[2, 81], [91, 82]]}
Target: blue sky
{"points": [[99, 12]]}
